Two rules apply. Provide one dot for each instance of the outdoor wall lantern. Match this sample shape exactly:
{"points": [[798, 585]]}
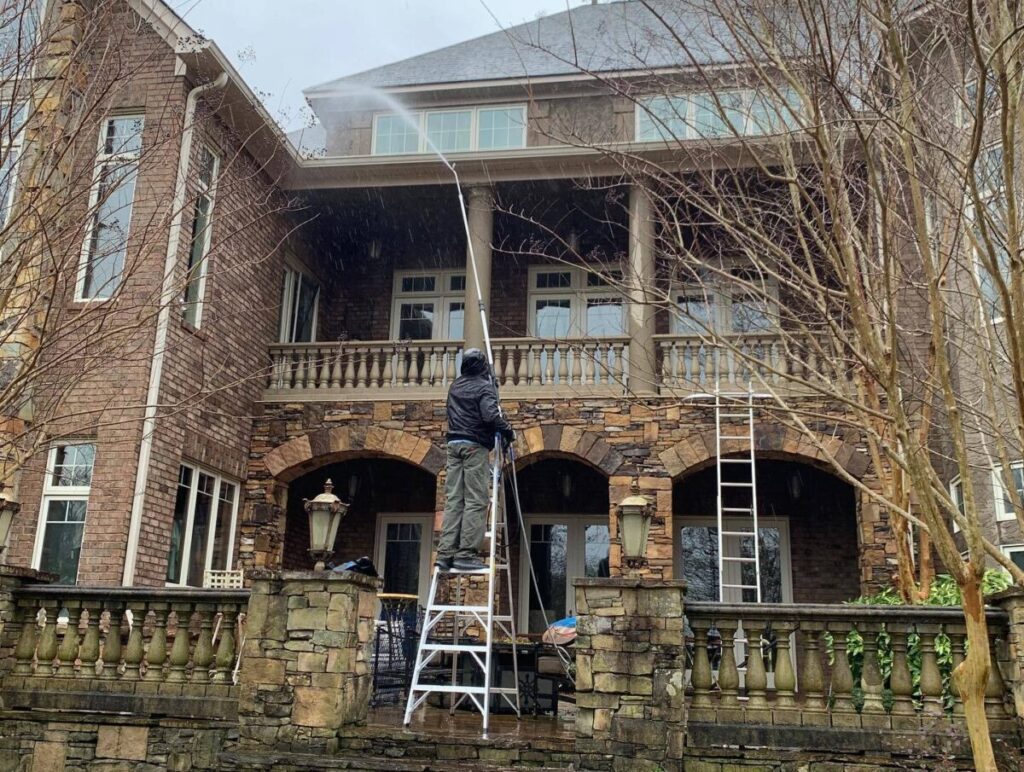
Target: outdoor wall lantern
{"points": [[325, 513], [8, 509], [635, 515]]}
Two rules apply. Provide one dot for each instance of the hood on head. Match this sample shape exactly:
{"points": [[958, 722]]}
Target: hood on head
{"points": [[473, 362]]}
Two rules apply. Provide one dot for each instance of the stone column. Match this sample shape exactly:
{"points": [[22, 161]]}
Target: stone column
{"points": [[640, 278], [630, 660], [480, 213], [1011, 600], [305, 670]]}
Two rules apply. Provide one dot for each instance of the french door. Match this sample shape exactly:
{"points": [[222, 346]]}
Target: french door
{"points": [[560, 548], [403, 553]]}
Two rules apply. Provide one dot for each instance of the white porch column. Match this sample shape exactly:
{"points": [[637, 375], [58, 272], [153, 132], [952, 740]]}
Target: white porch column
{"points": [[480, 213], [640, 281]]}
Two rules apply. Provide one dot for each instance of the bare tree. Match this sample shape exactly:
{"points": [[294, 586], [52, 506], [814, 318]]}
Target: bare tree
{"points": [[846, 175]]}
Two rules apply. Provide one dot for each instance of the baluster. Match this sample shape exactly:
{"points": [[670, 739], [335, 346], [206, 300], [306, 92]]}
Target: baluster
{"points": [[67, 652], [178, 660], [700, 676], [300, 371], [375, 355], [757, 679], [562, 352], [350, 368], [389, 369], [812, 674], [414, 367], [335, 379], [275, 379], [111, 658], [576, 374], [842, 676], [672, 352], [202, 656], [25, 650], [156, 653], [871, 672], [47, 651], [225, 661], [89, 653], [361, 369], [135, 650], [449, 367], [498, 369], [900, 681], [534, 376], [931, 678], [402, 368], [728, 673], [433, 357], [587, 361], [995, 688], [785, 677], [322, 370], [521, 376], [957, 635], [547, 355]]}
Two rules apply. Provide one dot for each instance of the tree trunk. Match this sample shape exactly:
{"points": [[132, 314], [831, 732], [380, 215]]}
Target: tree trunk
{"points": [[971, 675]]}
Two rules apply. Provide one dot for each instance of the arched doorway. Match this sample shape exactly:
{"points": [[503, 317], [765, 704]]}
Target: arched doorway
{"points": [[390, 519], [565, 509], [808, 535]]}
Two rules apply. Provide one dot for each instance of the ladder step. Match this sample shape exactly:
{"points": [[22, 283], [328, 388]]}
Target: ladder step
{"points": [[737, 533], [734, 436], [740, 586], [734, 415], [748, 510], [458, 609], [737, 560], [735, 461], [448, 688], [737, 484], [478, 647]]}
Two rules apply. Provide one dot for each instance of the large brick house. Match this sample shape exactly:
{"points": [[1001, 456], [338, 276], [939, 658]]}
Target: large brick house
{"points": [[336, 323]]}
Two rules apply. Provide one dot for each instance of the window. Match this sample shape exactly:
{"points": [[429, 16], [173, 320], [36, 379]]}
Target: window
{"points": [[575, 302], [450, 131], [1015, 552], [403, 553], [714, 306], [299, 306], [699, 563], [956, 492], [429, 306], [561, 548], [110, 202], [988, 173], [738, 112], [195, 277], [12, 129], [1003, 503], [62, 514], [203, 529]]}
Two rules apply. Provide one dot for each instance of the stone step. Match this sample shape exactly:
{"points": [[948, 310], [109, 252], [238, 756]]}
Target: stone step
{"points": [[300, 762]]}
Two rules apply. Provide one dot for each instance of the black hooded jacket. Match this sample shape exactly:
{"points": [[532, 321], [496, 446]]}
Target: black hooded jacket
{"points": [[473, 405]]}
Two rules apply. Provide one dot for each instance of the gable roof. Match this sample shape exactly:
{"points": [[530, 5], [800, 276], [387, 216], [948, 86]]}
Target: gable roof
{"points": [[606, 37]]}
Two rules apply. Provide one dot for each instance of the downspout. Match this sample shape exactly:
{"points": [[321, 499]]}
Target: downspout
{"points": [[167, 295]]}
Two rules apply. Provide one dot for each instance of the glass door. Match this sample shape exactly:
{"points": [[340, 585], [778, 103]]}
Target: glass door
{"points": [[403, 553]]}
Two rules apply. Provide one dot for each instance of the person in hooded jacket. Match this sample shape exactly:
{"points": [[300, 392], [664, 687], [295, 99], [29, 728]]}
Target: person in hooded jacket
{"points": [[473, 421]]}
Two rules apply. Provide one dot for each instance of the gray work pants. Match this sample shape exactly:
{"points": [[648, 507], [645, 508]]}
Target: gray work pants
{"points": [[466, 496]]}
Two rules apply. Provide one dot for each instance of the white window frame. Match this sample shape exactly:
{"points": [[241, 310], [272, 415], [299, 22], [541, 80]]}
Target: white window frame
{"points": [[53, 492], [1009, 550], [780, 523], [578, 293], [722, 294], [102, 159], [441, 296], [286, 325], [575, 561], [423, 519], [420, 118], [956, 492], [999, 494], [209, 191], [186, 547], [987, 194], [643, 109]]}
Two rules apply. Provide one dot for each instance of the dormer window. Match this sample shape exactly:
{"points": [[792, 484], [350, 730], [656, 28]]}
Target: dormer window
{"points": [[461, 130]]}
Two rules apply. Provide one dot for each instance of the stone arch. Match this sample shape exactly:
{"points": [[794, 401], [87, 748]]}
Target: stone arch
{"points": [[327, 446], [572, 442], [695, 452]]}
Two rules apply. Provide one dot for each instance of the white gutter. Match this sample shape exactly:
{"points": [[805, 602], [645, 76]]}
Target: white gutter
{"points": [[167, 296]]}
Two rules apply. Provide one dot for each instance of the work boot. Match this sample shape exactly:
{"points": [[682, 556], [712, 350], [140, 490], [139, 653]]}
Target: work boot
{"points": [[468, 564], [443, 564]]}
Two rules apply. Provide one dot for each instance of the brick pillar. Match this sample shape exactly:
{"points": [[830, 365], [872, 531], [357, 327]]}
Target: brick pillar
{"points": [[305, 669], [629, 672], [1011, 600]]}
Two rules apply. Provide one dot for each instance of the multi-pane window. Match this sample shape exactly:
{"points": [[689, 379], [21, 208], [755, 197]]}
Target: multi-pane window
{"points": [[450, 131], [195, 277], [1002, 497], [203, 528], [1016, 554], [12, 136], [990, 228], [713, 306], [62, 514], [739, 112], [299, 305], [570, 302], [110, 203], [956, 492], [429, 306]]}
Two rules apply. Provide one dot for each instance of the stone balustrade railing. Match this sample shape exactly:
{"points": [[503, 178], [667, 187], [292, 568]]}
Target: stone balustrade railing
{"points": [[140, 650], [691, 363], [866, 667], [425, 369]]}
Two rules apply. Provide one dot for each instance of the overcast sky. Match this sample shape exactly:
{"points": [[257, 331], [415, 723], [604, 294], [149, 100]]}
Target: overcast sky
{"points": [[281, 48]]}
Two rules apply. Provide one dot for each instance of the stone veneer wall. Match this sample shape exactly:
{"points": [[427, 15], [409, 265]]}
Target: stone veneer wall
{"points": [[656, 441], [305, 669]]}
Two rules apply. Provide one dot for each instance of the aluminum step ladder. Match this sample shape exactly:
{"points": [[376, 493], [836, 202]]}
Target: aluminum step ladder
{"points": [[446, 623], [741, 514]]}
